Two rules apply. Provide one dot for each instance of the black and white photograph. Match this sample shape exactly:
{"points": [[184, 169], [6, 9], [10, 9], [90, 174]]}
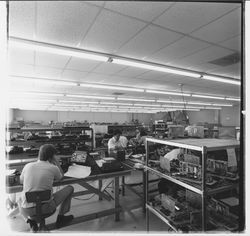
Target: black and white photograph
{"points": [[124, 117]]}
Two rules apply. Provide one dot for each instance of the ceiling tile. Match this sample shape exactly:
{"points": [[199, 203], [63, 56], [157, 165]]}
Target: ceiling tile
{"points": [[131, 72], [203, 56], [22, 19], [149, 40], [82, 64], [233, 43], [96, 78], [51, 60], [146, 11], [221, 29], [74, 75], [21, 69], [19, 55], [97, 3], [188, 16], [42, 71], [179, 49], [110, 31], [230, 71], [151, 75], [64, 22], [108, 68]]}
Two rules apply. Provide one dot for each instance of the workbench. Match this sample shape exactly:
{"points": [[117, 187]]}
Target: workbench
{"points": [[88, 190]]}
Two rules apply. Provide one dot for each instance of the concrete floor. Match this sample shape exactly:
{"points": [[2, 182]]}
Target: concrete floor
{"points": [[132, 218]]}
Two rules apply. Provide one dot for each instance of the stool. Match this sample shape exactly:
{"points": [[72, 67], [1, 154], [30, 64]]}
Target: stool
{"points": [[38, 197]]}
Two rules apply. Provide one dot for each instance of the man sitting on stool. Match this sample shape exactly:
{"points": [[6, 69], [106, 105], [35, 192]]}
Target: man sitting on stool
{"points": [[39, 176], [117, 142]]}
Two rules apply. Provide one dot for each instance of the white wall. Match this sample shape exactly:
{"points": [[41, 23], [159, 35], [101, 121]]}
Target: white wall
{"points": [[63, 116], [208, 116], [230, 116]]}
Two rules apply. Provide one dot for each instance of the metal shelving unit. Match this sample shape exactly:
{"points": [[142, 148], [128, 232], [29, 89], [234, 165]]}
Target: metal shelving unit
{"points": [[203, 146]]}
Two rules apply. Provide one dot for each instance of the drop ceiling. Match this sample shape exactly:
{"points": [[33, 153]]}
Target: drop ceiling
{"points": [[186, 35]]}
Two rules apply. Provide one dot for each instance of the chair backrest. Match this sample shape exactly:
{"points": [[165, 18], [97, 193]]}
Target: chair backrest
{"points": [[37, 197]]}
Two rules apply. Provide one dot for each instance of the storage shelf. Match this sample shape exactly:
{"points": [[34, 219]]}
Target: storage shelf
{"points": [[198, 187], [185, 185], [161, 216]]}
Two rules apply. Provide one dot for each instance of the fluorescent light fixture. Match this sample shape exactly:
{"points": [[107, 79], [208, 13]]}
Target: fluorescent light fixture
{"points": [[102, 106], [168, 93], [150, 66], [215, 108], [233, 99], [221, 79], [90, 97], [207, 96], [34, 100], [170, 101], [223, 105], [37, 93], [71, 105], [75, 101], [103, 86], [136, 99], [147, 105], [116, 103], [43, 81], [56, 49], [131, 107]]}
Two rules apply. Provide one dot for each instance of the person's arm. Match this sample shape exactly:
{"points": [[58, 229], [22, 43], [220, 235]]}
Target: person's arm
{"points": [[22, 175], [111, 145], [55, 162]]}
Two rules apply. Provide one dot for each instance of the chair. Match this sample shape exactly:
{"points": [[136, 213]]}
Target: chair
{"points": [[38, 197]]}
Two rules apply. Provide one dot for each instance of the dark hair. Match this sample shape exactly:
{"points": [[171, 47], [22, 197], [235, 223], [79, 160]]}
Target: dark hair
{"points": [[117, 131], [143, 133], [46, 152]]}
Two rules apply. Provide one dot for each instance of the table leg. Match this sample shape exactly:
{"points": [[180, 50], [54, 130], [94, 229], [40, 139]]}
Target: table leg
{"points": [[123, 185], [117, 205], [100, 188], [144, 191]]}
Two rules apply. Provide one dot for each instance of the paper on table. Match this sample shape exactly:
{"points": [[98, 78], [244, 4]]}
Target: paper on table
{"points": [[231, 157], [78, 171], [10, 172]]}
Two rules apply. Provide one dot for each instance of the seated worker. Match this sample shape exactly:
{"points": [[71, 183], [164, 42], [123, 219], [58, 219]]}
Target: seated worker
{"points": [[139, 139], [117, 142], [39, 176]]}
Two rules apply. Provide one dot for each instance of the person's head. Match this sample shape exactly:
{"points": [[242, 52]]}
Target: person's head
{"points": [[137, 132], [143, 133], [117, 134], [46, 152]]}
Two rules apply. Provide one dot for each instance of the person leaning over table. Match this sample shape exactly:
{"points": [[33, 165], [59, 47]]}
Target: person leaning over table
{"points": [[139, 139], [117, 142], [39, 176]]}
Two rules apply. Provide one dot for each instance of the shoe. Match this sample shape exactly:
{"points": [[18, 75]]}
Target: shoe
{"points": [[63, 220], [33, 225]]}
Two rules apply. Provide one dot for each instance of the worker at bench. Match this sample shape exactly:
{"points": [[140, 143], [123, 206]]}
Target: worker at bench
{"points": [[39, 176]]}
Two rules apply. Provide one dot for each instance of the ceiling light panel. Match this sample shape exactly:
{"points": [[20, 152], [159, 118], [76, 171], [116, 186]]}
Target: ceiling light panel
{"points": [[232, 99], [221, 79], [207, 96], [111, 87], [44, 81], [90, 97], [136, 99], [149, 66], [167, 93], [75, 101], [56, 49]]}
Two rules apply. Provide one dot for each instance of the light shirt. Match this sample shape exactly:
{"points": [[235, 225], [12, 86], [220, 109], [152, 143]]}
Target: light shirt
{"points": [[38, 176], [121, 143]]}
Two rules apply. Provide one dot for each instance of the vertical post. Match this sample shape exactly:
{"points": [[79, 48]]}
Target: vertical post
{"points": [[145, 184], [144, 176], [204, 192], [100, 188], [117, 214], [123, 185]]}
